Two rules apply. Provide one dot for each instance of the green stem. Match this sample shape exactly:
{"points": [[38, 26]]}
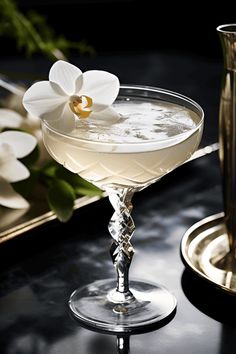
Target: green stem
{"points": [[55, 53]]}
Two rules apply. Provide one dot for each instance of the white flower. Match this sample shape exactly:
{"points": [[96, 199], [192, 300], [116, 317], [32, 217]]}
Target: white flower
{"points": [[69, 93], [9, 119], [13, 145], [12, 119]]}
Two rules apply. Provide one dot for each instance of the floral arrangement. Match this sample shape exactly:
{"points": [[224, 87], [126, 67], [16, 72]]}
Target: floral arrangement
{"points": [[25, 164]]}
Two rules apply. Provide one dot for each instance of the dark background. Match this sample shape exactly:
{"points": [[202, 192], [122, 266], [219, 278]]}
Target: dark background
{"points": [[173, 45], [133, 25]]}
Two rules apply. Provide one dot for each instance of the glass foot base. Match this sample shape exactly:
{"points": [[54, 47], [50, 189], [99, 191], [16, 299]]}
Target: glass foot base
{"points": [[94, 306]]}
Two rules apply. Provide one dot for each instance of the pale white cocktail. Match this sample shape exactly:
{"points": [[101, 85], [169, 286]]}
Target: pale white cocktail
{"points": [[150, 138], [156, 131]]}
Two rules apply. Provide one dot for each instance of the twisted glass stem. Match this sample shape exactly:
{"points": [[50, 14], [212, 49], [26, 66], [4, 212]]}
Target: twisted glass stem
{"points": [[121, 228], [123, 345]]}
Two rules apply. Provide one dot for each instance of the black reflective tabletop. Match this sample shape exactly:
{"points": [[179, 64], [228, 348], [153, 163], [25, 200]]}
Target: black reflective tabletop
{"points": [[41, 268]]}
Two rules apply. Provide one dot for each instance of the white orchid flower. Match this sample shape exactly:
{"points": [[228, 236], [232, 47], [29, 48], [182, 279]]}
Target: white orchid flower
{"points": [[13, 145], [69, 93], [10, 119]]}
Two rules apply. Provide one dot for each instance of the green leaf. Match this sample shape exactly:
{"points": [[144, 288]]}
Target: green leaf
{"points": [[33, 34], [81, 187], [26, 187], [86, 188], [61, 199], [49, 169]]}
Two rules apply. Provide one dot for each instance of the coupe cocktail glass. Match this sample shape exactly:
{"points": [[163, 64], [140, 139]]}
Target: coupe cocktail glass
{"points": [[157, 131]]}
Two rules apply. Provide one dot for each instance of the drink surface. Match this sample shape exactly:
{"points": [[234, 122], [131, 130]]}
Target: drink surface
{"points": [[148, 139], [139, 122]]}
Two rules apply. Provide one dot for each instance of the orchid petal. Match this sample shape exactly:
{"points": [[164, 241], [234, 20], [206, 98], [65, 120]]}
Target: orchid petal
{"points": [[101, 86], [9, 118], [13, 171], [55, 114], [67, 76], [43, 97], [6, 153], [21, 143], [66, 123], [106, 117], [78, 84], [9, 197]]}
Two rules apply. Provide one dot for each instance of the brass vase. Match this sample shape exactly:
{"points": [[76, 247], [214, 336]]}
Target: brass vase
{"points": [[227, 138]]}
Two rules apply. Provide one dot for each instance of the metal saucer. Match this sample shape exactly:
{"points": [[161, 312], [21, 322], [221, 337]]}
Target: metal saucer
{"points": [[205, 249]]}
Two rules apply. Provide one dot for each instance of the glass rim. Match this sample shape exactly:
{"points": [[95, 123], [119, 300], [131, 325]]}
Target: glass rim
{"points": [[138, 87], [223, 28]]}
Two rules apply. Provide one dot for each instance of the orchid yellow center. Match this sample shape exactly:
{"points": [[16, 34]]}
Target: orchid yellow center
{"points": [[81, 105]]}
